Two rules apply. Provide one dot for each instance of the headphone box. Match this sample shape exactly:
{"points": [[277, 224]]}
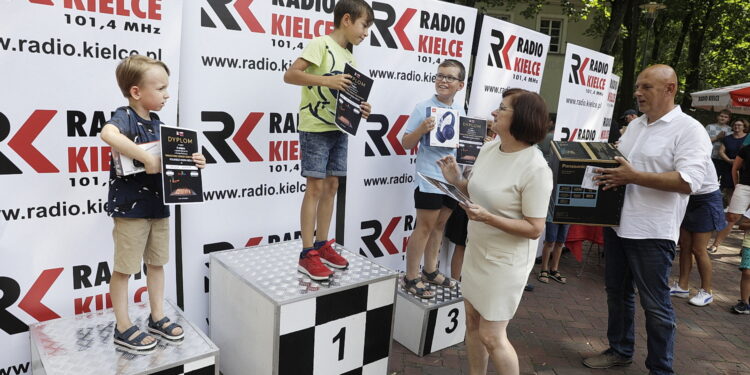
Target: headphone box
{"points": [[572, 203], [445, 132]]}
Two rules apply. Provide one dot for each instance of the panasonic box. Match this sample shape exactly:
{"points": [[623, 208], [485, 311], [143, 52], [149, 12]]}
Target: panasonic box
{"points": [[575, 201]]}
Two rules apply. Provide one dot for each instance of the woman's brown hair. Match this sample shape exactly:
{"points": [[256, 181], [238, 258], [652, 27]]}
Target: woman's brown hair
{"points": [[530, 117]]}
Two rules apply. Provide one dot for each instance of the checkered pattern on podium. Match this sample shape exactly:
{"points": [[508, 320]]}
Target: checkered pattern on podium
{"points": [[425, 326], [337, 327], [345, 332]]}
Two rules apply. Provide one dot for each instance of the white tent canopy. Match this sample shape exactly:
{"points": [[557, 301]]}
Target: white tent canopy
{"points": [[735, 98]]}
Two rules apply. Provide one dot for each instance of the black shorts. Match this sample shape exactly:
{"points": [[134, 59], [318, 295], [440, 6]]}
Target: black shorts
{"points": [[456, 229], [432, 201]]}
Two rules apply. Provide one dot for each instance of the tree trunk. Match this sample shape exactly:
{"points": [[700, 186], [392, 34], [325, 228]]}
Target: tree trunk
{"points": [[683, 33], [695, 47], [632, 21], [659, 26], [613, 29]]}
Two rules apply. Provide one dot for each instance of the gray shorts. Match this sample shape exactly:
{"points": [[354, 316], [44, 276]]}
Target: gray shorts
{"points": [[323, 154]]}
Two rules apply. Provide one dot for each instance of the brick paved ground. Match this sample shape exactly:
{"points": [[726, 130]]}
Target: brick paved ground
{"points": [[558, 325]]}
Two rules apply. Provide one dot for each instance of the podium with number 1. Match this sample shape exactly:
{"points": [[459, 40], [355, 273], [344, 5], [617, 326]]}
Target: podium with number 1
{"points": [[270, 319]]}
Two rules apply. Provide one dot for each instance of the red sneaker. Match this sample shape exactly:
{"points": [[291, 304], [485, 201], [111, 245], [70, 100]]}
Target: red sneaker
{"points": [[311, 266], [330, 257]]}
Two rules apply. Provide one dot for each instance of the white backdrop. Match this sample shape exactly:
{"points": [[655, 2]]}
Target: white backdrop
{"points": [[236, 98], [583, 94], [508, 56], [614, 83], [58, 68], [403, 60]]}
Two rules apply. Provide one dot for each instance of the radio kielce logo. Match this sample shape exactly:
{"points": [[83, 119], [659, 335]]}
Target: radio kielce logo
{"points": [[384, 236], [83, 276], [528, 53], [390, 26], [78, 124], [150, 10], [595, 68]]}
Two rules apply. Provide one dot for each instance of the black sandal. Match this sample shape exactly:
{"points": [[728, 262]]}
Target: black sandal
{"points": [[557, 276], [543, 276], [430, 278], [165, 330], [133, 345], [411, 287]]}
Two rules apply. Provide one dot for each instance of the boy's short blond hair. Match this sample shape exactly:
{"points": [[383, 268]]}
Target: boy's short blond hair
{"points": [[130, 71]]}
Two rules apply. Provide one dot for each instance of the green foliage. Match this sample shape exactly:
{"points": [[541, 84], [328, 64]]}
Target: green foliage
{"points": [[575, 10], [724, 53]]}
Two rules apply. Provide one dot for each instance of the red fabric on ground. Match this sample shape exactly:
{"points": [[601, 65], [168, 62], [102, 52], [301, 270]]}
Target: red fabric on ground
{"points": [[579, 233]]}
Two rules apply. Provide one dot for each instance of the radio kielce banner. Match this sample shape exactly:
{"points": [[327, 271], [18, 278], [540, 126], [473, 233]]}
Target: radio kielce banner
{"points": [[407, 42], [614, 83], [581, 108], [234, 55], [58, 60], [508, 56]]}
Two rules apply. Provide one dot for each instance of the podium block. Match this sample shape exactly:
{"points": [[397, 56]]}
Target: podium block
{"points": [[268, 318], [425, 326], [83, 344]]}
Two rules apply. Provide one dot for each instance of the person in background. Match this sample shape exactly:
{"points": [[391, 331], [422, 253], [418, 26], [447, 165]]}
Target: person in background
{"points": [[554, 234], [546, 143], [703, 216], [740, 199], [455, 232], [743, 305], [455, 229], [627, 116], [728, 149], [554, 240], [717, 131]]}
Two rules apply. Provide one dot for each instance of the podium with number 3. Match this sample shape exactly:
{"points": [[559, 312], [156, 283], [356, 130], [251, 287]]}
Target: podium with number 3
{"points": [[425, 326]]}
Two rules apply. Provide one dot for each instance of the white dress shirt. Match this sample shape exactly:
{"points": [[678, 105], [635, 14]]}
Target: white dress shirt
{"points": [[675, 142], [710, 182]]}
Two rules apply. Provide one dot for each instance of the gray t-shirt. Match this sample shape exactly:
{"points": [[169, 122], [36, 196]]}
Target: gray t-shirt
{"points": [[714, 130], [545, 145]]}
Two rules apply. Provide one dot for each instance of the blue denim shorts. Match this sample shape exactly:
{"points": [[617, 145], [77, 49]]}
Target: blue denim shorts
{"points": [[555, 232], [323, 154], [745, 262], [704, 213]]}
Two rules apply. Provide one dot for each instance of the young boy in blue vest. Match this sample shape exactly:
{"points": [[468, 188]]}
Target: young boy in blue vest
{"points": [[323, 146], [141, 220]]}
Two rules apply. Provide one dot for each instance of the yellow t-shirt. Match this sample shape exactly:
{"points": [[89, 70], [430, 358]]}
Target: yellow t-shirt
{"points": [[317, 107]]}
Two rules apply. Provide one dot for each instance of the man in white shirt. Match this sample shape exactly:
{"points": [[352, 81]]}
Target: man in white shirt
{"points": [[667, 152]]}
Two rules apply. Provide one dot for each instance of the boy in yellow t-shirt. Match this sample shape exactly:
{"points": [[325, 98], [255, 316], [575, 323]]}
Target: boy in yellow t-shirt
{"points": [[323, 146]]}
